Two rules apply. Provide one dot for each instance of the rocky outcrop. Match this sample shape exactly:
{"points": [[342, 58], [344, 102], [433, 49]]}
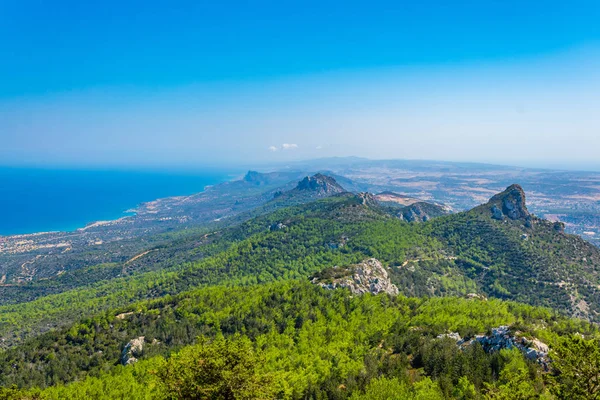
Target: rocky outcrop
{"points": [[338, 244], [310, 188], [367, 199], [414, 213], [277, 227], [255, 178], [497, 213], [132, 351], [511, 204], [476, 296], [370, 276], [320, 183], [124, 315], [501, 338], [422, 212]]}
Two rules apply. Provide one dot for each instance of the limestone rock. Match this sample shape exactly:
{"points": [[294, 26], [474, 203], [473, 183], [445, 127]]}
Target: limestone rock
{"points": [[476, 296], [132, 351], [123, 315], [277, 227], [423, 212], [511, 203], [367, 199], [370, 276], [497, 213], [452, 335], [319, 183], [502, 338]]}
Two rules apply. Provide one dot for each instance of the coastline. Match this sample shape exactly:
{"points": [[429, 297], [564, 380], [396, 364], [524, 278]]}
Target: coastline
{"points": [[85, 222]]}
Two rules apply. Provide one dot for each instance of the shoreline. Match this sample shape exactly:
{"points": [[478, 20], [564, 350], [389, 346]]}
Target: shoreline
{"points": [[131, 212]]}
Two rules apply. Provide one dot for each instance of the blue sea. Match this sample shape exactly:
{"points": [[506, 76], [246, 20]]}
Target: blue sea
{"points": [[41, 200]]}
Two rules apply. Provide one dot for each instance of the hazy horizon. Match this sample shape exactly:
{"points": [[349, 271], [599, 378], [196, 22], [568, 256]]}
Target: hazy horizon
{"points": [[150, 85], [236, 169]]}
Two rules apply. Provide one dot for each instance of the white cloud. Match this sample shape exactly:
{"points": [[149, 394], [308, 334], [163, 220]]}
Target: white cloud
{"points": [[273, 148], [319, 147], [289, 146]]}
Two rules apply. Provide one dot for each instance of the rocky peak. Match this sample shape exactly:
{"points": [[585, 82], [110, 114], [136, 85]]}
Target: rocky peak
{"points": [[369, 276], [320, 183], [510, 203], [255, 178]]}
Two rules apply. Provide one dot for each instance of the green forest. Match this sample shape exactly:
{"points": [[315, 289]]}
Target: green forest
{"points": [[235, 316], [295, 340]]}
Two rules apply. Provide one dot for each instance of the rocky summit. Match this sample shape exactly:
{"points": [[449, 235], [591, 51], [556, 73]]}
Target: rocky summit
{"points": [[510, 203], [320, 183]]}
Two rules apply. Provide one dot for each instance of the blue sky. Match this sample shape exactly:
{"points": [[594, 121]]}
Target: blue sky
{"points": [[165, 83]]}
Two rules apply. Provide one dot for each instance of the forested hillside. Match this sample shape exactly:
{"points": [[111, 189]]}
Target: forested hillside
{"points": [[308, 342], [512, 254], [240, 295]]}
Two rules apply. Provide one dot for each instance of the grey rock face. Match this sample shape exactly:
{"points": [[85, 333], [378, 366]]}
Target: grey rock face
{"points": [[132, 350], [412, 214], [277, 227], [501, 338], [497, 213], [511, 202], [369, 276], [367, 199], [422, 212], [559, 227], [319, 183]]}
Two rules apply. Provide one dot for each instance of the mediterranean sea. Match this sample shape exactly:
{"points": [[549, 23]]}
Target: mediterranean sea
{"points": [[41, 200]]}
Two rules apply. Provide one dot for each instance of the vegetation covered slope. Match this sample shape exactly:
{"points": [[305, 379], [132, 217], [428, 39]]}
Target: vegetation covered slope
{"points": [[222, 286], [453, 255], [225, 205], [514, 255], [314, 343]]}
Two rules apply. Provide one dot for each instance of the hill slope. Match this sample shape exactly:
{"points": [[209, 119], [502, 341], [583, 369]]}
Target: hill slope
{"points": [[315, 339], [252, 279], [513, 254], [456, 255]]}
